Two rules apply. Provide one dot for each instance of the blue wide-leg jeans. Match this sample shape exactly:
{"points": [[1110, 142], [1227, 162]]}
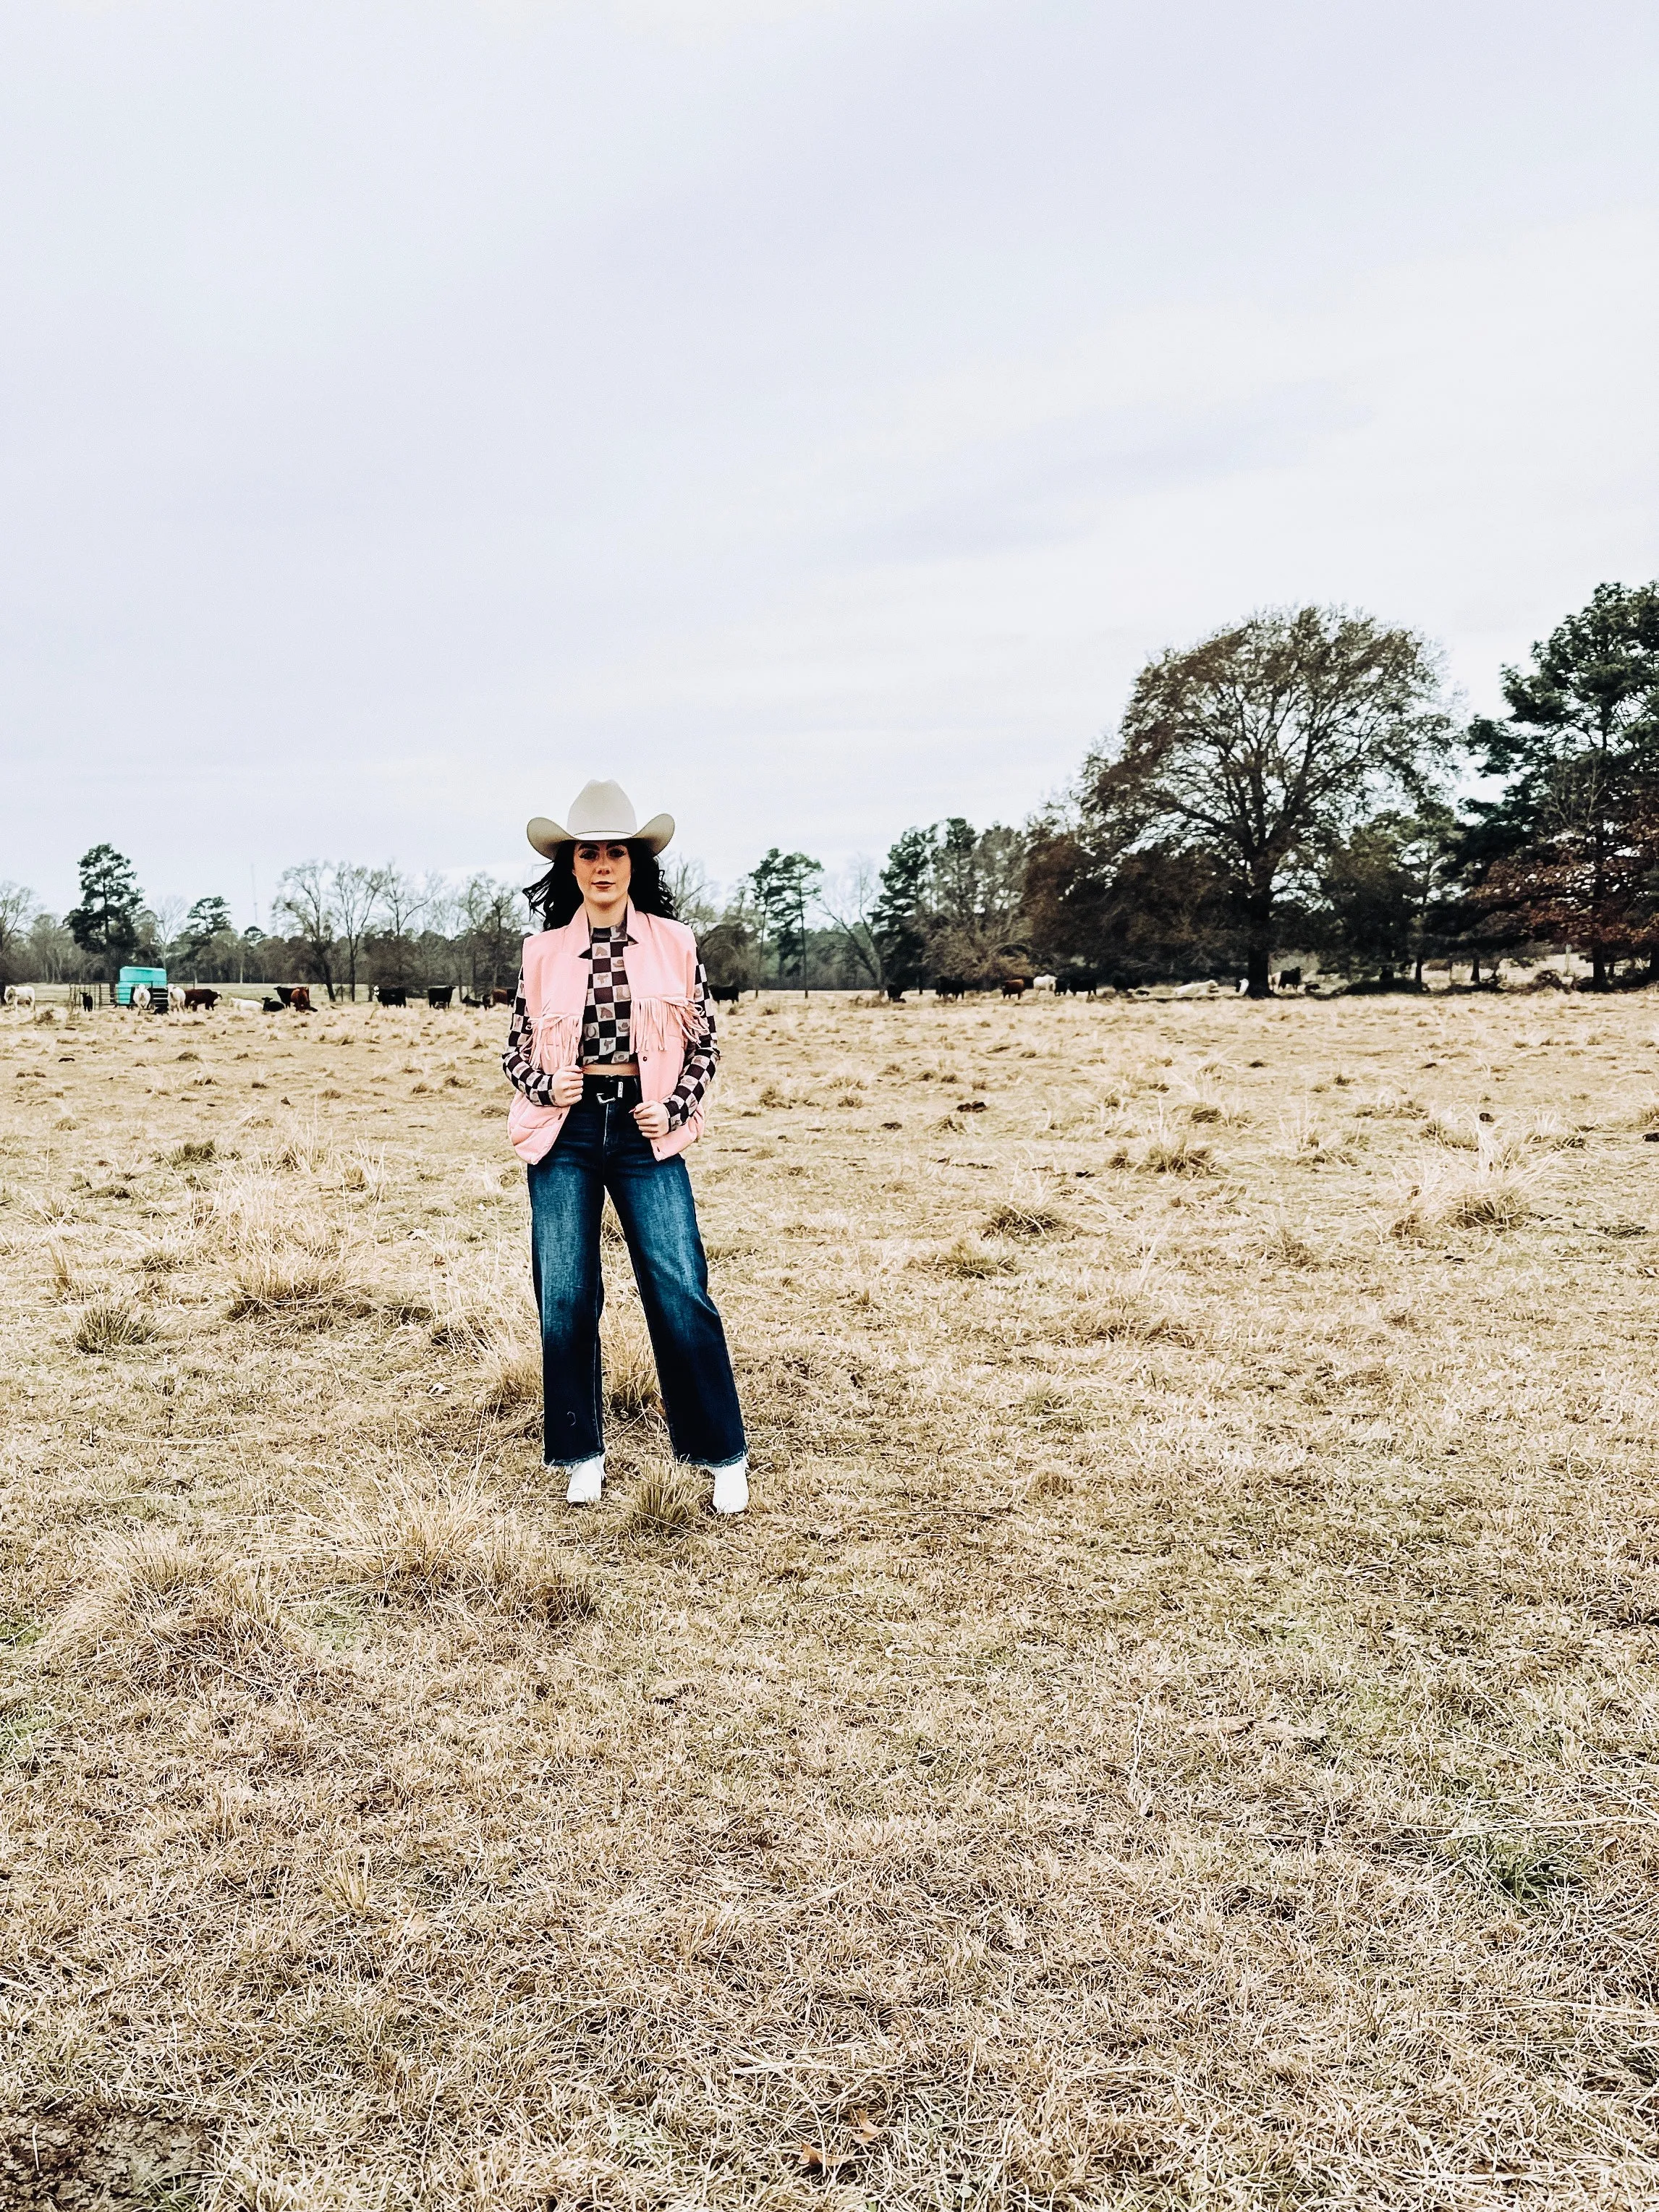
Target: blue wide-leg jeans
{"points": [[600, 1149]]}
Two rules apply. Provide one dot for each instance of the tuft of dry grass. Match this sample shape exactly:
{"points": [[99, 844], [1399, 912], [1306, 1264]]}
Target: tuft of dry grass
{"points": [[161, 1608], [291, 1279], [1012, 1218], [194, 1152], [1486, 1193], [165, 1255], [969, 1258], [421, 1536], [1174, 1153], [112, 1325], [630, 1369], [1388, 1104], [665, 1501], [1288, 1247], [1460, 1130], [512, 1376]]}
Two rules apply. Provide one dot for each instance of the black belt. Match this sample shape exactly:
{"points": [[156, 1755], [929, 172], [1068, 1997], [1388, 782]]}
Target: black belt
{"points": [[610, 1090]]}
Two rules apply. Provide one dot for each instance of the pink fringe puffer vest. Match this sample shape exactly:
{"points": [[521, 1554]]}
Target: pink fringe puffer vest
{"points": [[662, 979]]}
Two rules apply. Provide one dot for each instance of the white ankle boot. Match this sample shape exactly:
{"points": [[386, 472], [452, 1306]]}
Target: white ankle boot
{"points": [[586, 1481], [732, 1487]]}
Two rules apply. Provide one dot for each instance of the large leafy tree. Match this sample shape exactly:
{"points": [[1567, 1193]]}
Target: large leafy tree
{"points": [[1154, 914], [1570, 847], [898, 920], [104, 925], [1386, 890], [783, 887], [1262, 746], [206, 925]]}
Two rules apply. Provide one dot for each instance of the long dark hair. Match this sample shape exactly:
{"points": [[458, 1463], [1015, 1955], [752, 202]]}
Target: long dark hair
{"points": [[556, 898]]}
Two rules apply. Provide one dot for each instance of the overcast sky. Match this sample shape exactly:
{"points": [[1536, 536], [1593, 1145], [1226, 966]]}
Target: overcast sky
{"points": [[809, 411]]}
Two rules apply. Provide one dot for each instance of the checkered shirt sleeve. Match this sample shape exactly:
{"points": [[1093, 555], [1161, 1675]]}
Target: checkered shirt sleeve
{"points": [[519, 1060], [703, 1057]]}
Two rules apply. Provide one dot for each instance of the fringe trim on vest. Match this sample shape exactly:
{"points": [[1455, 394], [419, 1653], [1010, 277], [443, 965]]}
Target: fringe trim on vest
{"points": [[561, 1034], [663, 1024]]}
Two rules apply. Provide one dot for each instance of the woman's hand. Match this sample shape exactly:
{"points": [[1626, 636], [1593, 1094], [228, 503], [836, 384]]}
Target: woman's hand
{"points": [[650, 1120], [566, 1086]]}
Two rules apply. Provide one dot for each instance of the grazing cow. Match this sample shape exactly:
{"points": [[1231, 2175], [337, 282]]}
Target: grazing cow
{"points": [[726, 995], [1015, 986], [441, 995], [1289, 979], [1085, 980], [393, 995], [197, 1000], [950, 986], [20, 995], [1043, 982], [499, 997], [896, 994]]}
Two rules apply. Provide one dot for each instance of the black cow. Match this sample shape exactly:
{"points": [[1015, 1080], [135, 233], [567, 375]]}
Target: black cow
{"points": [[896, 994], [1084, 979], [1015, 986], [441, 995], [393, 995], [950, 986], [1289, 979], [726, 995]]}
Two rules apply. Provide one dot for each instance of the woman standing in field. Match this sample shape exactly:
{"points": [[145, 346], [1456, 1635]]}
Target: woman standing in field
{"points": [[611, 1051]]}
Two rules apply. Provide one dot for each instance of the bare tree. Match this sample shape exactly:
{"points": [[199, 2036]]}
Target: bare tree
{"points": [[693, 895], [439, 907], [494, 912], [357, 893], [403, 904], [17, 910], [305, 896], [847, 902]]}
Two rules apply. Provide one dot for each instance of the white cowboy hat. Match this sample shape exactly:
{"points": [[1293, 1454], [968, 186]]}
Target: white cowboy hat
{"points": [[600, 814]]}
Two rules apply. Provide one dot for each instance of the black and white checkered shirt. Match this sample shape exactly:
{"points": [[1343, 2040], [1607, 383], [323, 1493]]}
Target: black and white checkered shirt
{"points": [[607, 1032]]}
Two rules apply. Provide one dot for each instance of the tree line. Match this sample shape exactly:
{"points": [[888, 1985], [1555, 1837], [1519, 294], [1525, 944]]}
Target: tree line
{"points": [[346, 926], [1299, 783]]}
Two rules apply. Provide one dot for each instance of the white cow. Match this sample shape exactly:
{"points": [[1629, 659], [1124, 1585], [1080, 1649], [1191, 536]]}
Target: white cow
{"points": [[20, 995], [1043, 982], [175, 997]]}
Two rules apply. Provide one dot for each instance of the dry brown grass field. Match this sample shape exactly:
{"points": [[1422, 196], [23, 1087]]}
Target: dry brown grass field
{"points": [[1177, 1728]]}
